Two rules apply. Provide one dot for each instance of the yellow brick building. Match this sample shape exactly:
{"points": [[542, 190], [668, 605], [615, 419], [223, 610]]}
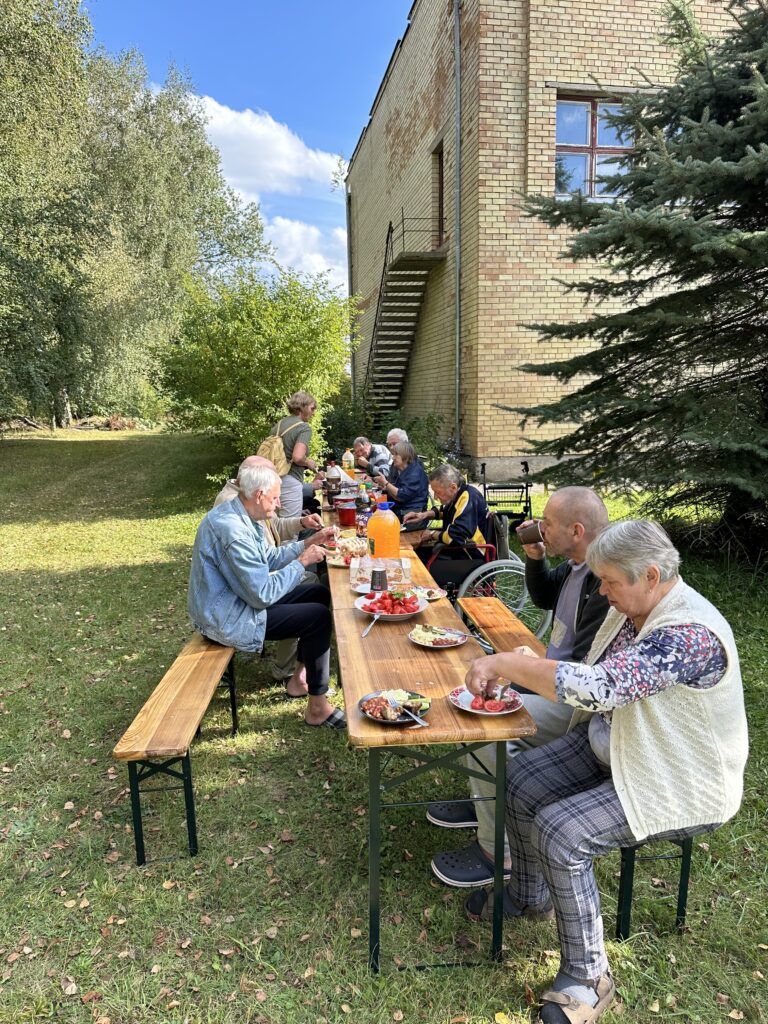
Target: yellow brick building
{"points": [[534, 79]]}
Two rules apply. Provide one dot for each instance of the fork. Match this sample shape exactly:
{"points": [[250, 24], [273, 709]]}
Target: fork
{"points": [[416, 718], [370, 625]]}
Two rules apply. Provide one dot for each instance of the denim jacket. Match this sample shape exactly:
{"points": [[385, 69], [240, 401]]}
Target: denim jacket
{"points": [[236, 575]]}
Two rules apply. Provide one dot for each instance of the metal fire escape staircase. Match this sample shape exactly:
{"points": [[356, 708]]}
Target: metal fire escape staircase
{"points": [[412, 249]]}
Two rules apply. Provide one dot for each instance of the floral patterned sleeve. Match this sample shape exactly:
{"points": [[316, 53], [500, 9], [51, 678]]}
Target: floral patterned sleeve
{"points": [[689, 654]]}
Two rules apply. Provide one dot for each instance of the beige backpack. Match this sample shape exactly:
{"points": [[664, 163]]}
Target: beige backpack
{"points": [[272, 448]]}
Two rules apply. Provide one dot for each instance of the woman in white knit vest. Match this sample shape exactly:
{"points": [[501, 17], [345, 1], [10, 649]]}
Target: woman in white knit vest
{"points": [[656, 747]]}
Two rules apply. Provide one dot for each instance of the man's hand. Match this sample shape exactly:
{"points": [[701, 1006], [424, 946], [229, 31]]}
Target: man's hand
{"points": [[483, 675], [310, 464], [312, 521], [321, 537], [311, 555], [535, 551], [362, 461], [526, 651], [416, 517]]}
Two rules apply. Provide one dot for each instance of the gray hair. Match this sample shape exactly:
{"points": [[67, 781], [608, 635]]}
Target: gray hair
{"points": [[406, 451], [445, 474], [256, 478], [633, 546], [396, 434], [300, 400], [363, 441]]}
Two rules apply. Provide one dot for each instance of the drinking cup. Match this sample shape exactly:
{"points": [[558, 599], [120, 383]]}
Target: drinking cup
{"points": [[379, 579], [531, 533]]}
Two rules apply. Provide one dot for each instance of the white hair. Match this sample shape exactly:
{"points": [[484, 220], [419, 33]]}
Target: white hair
{"points": [[446, 474], [633, 546], [256, 478], [396, 434], [362, 441]]}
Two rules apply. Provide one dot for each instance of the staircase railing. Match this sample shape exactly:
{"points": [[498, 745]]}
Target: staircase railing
{"points": [[415, 234], [409, 234], [388, 255]]}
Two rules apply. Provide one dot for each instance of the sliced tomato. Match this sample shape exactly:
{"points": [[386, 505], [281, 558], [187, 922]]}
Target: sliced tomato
{"points": [[494, 706], [370, 597], [478, 703]]}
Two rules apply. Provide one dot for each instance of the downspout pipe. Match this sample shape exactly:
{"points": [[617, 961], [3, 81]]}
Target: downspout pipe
{"points": [[353, 325], [457, 229]]}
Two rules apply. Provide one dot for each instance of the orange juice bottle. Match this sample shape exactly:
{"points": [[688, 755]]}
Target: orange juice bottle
{"points": [[384, 532]]}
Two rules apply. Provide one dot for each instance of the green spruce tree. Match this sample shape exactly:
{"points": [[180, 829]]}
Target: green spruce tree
{"points": [[676, 394]]}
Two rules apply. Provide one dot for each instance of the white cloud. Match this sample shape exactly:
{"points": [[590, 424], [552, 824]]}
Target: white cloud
{"points": [[307, 249], [261, 155], [262, 158]]}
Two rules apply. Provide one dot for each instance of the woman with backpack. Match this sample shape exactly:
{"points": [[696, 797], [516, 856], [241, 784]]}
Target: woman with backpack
{"points": [[291, 457]]}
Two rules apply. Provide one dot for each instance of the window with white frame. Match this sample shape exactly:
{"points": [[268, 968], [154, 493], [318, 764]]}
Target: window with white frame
{"points": [[586, 146]]}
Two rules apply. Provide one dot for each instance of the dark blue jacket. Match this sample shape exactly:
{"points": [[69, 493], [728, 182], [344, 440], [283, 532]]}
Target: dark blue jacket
{"points": [[412, 490]]}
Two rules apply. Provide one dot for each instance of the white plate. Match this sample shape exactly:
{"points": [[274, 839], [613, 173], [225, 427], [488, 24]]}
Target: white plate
{"points": [[365, 588], [462, 698], [456, 641], [425, 592], [360, 601]]}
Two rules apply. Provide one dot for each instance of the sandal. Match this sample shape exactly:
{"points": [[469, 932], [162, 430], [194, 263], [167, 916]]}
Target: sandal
{"points": [[567, 1010], [335, 720], [479, 907]]}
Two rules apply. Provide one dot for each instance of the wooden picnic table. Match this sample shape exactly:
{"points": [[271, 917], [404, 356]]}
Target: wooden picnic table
{"points": [[387, 659]]}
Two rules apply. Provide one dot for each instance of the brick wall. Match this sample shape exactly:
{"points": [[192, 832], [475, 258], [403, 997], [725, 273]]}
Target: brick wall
{"points": [[516, 55]]}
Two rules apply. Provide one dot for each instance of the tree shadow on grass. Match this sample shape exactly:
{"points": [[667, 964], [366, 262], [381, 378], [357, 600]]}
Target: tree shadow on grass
{"points": [[125, 476]]}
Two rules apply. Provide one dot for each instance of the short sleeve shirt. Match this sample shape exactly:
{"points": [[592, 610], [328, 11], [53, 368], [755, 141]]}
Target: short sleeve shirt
{"points": [[300, 433]]}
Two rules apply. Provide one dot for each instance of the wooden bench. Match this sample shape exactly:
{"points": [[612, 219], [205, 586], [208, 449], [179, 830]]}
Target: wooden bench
{"points": [[160, 735], [498, 625], [502, 629]]}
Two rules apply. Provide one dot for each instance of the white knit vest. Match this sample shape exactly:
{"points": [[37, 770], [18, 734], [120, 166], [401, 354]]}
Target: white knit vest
{"points": [[677, 758]]}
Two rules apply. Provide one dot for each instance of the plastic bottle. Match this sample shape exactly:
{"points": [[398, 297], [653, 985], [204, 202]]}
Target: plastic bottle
{"points": [[384, 532], [348, 461], [363, 500]]}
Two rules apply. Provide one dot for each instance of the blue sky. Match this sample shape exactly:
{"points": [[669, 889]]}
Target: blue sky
{"points": [[287, 85]]}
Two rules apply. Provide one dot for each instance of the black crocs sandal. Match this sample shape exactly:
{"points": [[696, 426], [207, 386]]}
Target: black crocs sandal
{"points": [[479, 907]]}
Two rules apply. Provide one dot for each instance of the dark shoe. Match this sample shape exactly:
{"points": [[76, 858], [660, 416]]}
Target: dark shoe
{"points": [[453, 814], [335, 720], [479, 907], [560, 1008], [466, 868]]}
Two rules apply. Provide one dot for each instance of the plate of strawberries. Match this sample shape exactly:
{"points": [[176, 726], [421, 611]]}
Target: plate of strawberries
{"points": [[391, 604]]}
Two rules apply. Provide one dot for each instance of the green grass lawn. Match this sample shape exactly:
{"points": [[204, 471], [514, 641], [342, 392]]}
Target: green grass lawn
{"points": [[269, 922]]}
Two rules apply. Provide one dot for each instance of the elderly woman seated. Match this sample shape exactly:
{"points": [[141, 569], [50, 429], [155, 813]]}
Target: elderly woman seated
{"points": [[243, 590], [656, 749], [465, 524], [408, 486]]}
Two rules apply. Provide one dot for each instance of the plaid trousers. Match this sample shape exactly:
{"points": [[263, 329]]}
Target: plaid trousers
{"points": [[562, 811]]}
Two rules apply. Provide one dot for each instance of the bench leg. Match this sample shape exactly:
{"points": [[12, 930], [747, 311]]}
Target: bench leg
{"points": [[686, 848], [626, 880], [229, 676], [138, 828], [189, 802]]}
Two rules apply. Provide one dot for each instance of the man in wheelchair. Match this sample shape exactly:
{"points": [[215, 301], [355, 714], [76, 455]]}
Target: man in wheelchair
{"points": [[465, 535]]}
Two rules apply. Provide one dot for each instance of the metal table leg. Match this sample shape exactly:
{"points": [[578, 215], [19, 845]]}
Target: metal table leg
{"points": [[498, 851], [374, 856]]}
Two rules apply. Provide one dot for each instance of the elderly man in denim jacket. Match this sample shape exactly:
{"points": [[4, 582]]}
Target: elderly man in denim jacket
{"points": [[243, 591]]}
